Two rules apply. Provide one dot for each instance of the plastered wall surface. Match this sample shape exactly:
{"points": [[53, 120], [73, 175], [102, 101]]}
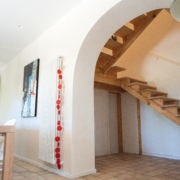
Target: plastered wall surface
{"points": [[106, 123], [160, 136], [79, 36], [101, 119], [113, 124], [129, 123]]}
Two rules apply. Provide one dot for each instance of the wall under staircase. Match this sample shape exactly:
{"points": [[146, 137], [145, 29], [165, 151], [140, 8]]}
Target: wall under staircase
{"points": [[160, 136]]}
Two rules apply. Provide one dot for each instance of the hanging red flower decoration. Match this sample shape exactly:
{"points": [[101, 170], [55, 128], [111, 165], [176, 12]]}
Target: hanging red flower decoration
{"points": [[59, 166], [57, 150], [58, 161], [59, 128], [58, 102], [59, 71], [57, 138], [60, 86], [57, 155]]}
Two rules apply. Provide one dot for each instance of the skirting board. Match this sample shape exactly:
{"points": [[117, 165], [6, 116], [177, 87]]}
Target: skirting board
{"points": [[56, 171], [161, 156]]}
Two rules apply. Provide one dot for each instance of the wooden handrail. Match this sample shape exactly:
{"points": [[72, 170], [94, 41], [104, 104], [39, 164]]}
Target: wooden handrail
{"points": [[163, 58], [8, 133]]}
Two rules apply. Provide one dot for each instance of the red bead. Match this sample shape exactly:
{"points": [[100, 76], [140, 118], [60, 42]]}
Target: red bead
{"points": [[58, 161], [57, 150], [59, 128], [58, 123], [59, 112], [60, 76], [58, 106], [60, 86], [57, 138], [59, 166], [57, 155], [59, 71], [58, 144], [58, 96], [58, 102]]}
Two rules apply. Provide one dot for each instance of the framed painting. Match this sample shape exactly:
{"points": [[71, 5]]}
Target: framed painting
{"points": [[30, 89]]}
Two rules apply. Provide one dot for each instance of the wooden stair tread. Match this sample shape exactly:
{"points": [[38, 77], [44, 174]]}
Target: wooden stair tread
{"points": [[117, 69], [103, 60], [113, 45], [142, 85], [173, 105], [124, 31], [164, 98], [155, 91], [132, 80], [138, 19]]}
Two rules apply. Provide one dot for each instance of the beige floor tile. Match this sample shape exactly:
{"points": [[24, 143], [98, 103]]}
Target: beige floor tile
{"points": [[19, 178], [36, 178]]}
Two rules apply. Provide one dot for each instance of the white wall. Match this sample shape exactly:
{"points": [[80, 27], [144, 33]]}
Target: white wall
{"points": [[101, 120], [106, 123], [129, 123], [160, 136], [79, 36], [113, 124]]}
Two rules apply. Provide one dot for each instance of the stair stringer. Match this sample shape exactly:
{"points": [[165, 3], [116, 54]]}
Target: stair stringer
{"points": [[165, 112]]}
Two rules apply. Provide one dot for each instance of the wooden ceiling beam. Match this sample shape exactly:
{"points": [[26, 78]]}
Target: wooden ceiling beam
{"points": [[139, 28], [107, 87], [106, 80]]}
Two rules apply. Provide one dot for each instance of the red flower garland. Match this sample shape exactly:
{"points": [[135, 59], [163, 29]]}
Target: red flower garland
{"points": [[59, 127]]}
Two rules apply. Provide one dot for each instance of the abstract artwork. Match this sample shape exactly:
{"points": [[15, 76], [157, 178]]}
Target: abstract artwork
{"points": [[30, 89]]}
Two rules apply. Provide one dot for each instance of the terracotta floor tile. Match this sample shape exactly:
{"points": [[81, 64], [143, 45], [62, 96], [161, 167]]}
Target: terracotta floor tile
{"points": [[115, 178], [125, 176], [105, 176], [113, 167]]}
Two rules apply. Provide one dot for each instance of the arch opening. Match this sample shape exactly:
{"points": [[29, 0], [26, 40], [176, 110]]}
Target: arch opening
{"points": [[83, 82]]}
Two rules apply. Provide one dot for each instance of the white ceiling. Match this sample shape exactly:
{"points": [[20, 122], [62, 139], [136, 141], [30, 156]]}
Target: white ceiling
{"points": [[36, 16]]}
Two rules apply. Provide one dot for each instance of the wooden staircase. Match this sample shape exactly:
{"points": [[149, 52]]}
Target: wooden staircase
{"points": [[123, 38], [168, 107], [106, 73]]}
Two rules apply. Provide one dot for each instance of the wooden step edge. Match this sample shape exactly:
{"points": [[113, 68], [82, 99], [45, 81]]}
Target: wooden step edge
{"points": [[141, 84], [173, 105], [122, 78], [162, 97], [117, 69], [107, 51], [160, 92]]}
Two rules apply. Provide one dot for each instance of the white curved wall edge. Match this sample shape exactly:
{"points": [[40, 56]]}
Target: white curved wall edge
{"points": [[112, 18], [56, 171]]}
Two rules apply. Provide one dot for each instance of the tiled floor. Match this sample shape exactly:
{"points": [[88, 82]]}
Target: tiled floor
{"points": [[112, 167]]}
